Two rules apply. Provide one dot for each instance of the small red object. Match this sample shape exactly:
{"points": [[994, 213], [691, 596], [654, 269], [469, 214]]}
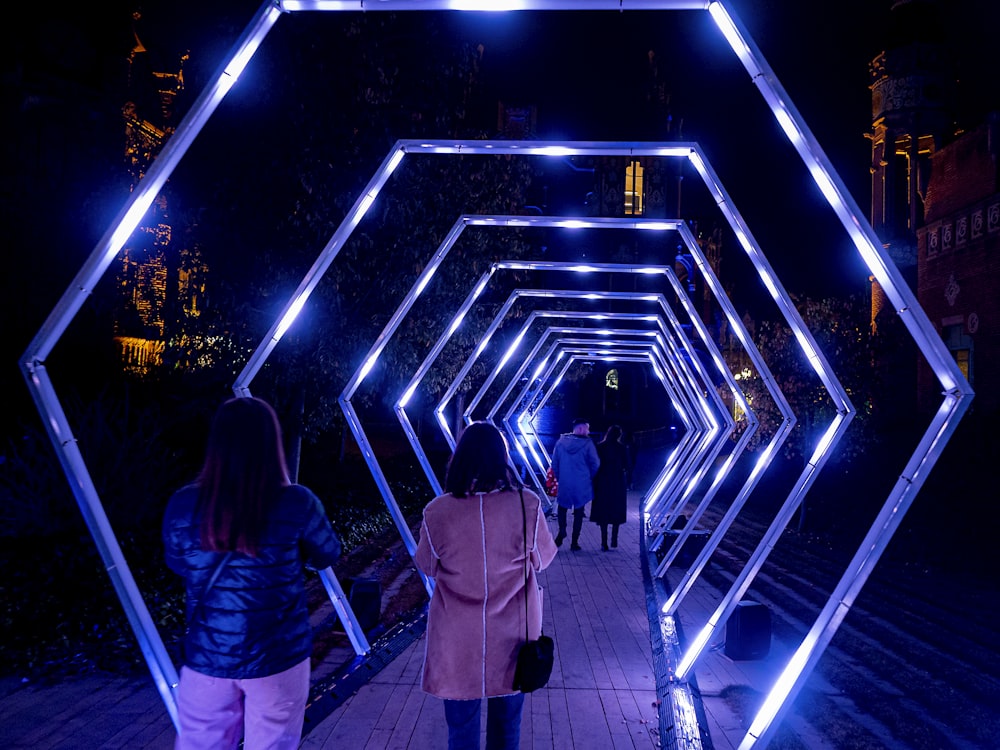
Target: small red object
{"points": [[551, 485]]}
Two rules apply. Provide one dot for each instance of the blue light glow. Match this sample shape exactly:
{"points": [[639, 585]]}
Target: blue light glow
{"points": [[694, 410], [293, 312]]}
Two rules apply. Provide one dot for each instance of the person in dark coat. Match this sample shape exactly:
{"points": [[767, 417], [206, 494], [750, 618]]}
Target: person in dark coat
{"points": [[241, 537], [610, 486]]}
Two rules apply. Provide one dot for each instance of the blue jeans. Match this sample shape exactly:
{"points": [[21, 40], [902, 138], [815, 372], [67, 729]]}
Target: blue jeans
{"points": [[503, 723]]}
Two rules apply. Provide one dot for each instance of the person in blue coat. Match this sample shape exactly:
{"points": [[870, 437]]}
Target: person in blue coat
{"points": [[241, 537], [574, 462]]}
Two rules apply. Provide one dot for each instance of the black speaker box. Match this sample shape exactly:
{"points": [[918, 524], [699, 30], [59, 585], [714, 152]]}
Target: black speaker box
{"points": [[365, 598], [693, 545], [748, 632]]}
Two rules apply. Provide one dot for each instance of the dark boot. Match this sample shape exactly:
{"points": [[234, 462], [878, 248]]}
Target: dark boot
{"points": [[614, 535], [561, 536], [577, 526], [604, 537]]}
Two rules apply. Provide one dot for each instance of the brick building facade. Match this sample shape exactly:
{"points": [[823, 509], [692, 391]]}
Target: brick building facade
{"points": [[958, 258], [936, 195]]}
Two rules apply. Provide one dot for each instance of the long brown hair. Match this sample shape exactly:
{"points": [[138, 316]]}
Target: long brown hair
{"points": [[243, 473], [481, 462]]}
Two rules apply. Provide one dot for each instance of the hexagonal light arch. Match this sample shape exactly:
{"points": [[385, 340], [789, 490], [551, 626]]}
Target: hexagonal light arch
{"points": [[533, 396], [392, 326], [702, 264], [520, 427], [697, 419], [605, 337], [534, 315], [803, 336], [741, 334], [711, 281], [568, 335], [792, 502], [956, 393], [669, 365], [563, 294], [704, 429], [702, 167]]}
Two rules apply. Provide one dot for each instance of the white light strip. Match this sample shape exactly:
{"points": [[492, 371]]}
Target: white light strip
{"points": [[289, 317], [729, 31], [957, 391], [494, 6]]}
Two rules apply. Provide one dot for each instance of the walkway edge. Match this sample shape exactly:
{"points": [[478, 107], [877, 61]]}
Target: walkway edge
{"points": [[330, 693], [679, 729]]}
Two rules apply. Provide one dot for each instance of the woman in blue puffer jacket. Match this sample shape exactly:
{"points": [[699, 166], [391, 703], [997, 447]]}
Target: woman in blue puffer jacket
{"points": [[241, 537]]}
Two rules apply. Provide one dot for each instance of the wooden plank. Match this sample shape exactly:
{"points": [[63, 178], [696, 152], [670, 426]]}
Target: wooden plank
{"points": [[430, 730], [589, 727], [353, 722], [632, 730], [602, 693], [539, 722], [34, 716], [85, 715], [157, 734], [392, 713], [406, 721], [559, 715]]}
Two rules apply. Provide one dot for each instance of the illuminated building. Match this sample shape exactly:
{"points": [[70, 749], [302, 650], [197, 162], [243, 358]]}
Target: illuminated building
{"points": [[936, 196], [959, 258], [156, 293]]}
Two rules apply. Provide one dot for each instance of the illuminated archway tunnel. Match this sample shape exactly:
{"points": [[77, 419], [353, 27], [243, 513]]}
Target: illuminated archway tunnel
{"points": [[689, 384]]}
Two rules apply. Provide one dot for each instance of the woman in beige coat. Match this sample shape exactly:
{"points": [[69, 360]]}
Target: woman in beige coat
{"points": [[472, 544]]}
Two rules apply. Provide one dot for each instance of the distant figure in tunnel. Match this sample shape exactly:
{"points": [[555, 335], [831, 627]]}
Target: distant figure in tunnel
{"points": [[240, 537], [482, 542], [574, 462], [611, 486]]}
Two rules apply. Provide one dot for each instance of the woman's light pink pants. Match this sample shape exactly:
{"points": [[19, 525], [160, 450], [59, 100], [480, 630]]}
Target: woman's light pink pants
{"points": [[266, 712]]}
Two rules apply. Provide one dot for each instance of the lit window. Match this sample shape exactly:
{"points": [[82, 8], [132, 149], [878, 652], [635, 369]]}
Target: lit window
{"points": [[961, 347], [963, 358], [633, 189]]}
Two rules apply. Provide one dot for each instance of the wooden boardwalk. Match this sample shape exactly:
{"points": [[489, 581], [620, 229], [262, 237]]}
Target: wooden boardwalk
{"points": [[607, 689], [602, 693]]}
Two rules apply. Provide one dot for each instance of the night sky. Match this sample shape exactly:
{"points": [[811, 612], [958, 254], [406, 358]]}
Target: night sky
{"points": [[578, 68]]}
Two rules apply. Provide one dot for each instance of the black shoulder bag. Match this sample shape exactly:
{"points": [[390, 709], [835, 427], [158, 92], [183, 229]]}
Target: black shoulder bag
{"points": [[534, 658]]}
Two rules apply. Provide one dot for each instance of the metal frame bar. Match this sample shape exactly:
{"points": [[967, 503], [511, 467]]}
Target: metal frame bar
{"points": [[956, 392]]}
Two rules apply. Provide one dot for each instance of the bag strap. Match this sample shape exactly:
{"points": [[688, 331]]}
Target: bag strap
{"points": [[208, 586], [527, 559]]}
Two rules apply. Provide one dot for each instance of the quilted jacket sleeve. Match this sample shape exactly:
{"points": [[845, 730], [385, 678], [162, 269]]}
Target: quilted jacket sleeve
{"points": [[319, 544]]}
